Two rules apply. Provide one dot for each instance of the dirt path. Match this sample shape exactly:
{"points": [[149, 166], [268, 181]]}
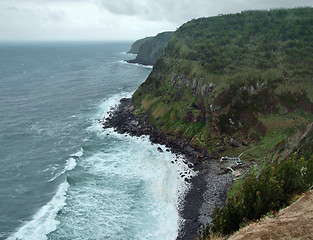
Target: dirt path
{"points": [[294, 222]]}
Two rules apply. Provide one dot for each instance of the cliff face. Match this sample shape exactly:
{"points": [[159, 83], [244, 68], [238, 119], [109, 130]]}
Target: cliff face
{"points": [[233, 83], [149, 49], [136, 45]]}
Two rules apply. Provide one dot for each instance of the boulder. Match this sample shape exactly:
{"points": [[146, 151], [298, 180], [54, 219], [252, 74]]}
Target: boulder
{"points": [[233, 143], [160, 149]]}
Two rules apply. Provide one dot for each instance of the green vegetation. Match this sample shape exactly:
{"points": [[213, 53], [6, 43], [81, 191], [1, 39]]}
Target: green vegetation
{"points": [[256, 196], [136, 45], [149, 49], [262, 194], [238, 76], [245, 77]]}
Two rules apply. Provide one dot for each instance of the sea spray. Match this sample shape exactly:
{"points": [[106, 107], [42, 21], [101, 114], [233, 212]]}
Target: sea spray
{"points": [[44, 220], [137, 64], [80, 153], [124, 187], [69, 165]]}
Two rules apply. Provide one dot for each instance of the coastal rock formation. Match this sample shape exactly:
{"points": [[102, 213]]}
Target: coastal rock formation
{"points": [[149, 49], [221, 81], [209, 180], [136, 45], [233, 77]]}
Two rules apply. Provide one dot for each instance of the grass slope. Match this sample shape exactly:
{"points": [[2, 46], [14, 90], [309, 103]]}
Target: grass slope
{"points": [[245, 76]]}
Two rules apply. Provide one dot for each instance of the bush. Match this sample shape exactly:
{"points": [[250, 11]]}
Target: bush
{"points": [[258, 195]]}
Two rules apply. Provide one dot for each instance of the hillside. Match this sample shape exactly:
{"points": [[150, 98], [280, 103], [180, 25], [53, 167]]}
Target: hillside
{"points": [[234, 83], [238, 84], [149, 49], [136, 45], [293, 222]]}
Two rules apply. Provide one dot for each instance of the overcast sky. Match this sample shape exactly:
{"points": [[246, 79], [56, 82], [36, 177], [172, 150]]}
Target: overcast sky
{"points": [[113, 19]]}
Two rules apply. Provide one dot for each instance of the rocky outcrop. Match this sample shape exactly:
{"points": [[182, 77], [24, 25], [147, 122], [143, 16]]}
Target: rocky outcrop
{"points": [[198, 87], [123, 120], [149, 49]]}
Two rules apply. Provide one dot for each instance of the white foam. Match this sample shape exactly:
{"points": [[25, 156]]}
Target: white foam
{"points": [[104, 110], [80, 153], [111, 103], [164, 183], [139, 159], [123, 61], [44, 220], [136, 64], [141, 65], [127, 53], [69, 165], [126, 183]]}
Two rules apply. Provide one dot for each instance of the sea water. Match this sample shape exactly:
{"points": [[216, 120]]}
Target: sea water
{"points": [[61, 175]]}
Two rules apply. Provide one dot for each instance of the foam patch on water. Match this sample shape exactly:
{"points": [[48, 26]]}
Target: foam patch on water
{"points": [[80, 153], [179, 160], [104, 110], [69, 165], [130, 54], [136, 64], [175, 161], [44, 220], [126, 190], [111, 103]]}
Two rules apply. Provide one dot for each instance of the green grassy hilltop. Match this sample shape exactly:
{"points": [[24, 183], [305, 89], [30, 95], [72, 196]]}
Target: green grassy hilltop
{"points": [[234, 83]]}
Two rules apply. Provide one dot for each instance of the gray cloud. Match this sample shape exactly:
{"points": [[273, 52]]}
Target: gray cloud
{"points": [[113, 19], [179, 11], [12, 8]]}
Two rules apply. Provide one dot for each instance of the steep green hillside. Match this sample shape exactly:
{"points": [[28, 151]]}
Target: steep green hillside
{"points": [[136, 45], [150, 48], [234, 83]]}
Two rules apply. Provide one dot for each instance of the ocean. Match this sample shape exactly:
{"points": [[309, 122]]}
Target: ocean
{"points": [[62, 176]]}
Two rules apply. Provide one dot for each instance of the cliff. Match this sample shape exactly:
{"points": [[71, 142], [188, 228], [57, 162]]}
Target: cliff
{"points": [[226, 85], [149, 49], [136, 45], [234, 83]]}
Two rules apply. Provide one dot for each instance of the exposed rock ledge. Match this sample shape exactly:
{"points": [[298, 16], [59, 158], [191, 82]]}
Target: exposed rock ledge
{"points": [[209, 187]]}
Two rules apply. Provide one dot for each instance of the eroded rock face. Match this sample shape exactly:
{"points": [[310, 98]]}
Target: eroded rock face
{"points": [[198, 87]]}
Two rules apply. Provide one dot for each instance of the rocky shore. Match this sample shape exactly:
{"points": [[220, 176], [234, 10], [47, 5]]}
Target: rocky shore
{"points": [[209, 186]]}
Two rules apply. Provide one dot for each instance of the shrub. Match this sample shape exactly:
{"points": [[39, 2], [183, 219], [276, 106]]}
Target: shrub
{"points": [[258, 195]]}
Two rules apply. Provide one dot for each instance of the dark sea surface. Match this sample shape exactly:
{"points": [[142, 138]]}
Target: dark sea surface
{"points": [[61, 175]]}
